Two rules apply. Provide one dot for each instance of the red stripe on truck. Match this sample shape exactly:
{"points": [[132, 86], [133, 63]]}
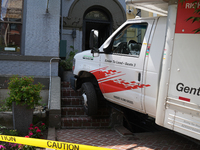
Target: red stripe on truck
{"points": [[110, 82], [184, 99]]}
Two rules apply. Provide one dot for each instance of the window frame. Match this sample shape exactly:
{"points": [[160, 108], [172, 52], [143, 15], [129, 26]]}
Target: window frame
{"points": [[21, 33], [122, 30]]}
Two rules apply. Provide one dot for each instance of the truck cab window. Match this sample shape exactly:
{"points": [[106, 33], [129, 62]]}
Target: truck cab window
{"points": [[129, 40]]}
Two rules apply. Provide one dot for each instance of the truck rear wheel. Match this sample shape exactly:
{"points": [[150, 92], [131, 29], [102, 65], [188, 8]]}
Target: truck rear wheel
{"points": [[89, 98]]}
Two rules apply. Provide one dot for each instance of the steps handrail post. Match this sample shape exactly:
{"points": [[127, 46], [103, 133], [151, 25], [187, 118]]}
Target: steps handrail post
{"points": [[50, 81]]}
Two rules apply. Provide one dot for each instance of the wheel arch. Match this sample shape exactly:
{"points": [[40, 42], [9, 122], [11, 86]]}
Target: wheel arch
{"points": [[85, 76]]}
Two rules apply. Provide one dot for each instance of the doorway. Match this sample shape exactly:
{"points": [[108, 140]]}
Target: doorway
{"points": [[99, 20]]}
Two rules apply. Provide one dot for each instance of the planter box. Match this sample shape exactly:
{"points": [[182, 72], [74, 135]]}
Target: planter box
{"points": [[67, 75], [22, 118]]}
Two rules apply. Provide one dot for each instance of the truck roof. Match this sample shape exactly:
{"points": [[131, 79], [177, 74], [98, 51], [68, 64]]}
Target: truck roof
{"points": [[146, 18], [156, 6]]}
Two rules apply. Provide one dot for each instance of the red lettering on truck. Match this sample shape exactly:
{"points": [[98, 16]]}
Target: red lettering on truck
{"points": [[185, 11]]}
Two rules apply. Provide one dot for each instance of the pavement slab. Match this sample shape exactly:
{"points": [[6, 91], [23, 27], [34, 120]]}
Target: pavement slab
{"points": [[109, 138]]}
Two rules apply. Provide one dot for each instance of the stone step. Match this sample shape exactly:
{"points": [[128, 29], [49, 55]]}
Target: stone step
{"points": [[72, 111], [69, 92], [74, 101], [71, 101], [79, 111], [85, 122], [65, 84], [73, 114]]}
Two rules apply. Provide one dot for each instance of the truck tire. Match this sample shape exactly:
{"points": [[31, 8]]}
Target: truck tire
{"points": [[89, 98]]}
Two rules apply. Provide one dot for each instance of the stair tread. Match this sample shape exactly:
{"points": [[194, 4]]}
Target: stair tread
{"points": [[72, 108], [84, 118], [71, 97], [81, 108]]}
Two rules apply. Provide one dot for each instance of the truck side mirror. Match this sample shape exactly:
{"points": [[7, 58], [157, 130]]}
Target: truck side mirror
{"points": [[94, 40]]}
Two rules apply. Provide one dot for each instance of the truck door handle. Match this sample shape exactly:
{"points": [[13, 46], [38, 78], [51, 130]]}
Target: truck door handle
{"points": [[139, 76]]}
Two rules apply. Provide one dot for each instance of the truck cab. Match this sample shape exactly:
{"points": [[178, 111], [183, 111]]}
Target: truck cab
{"points": [[126, 72]]}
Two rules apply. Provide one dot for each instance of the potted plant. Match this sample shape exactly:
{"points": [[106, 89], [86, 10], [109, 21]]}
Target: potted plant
{"points": [[67, 64], [23, 97]]}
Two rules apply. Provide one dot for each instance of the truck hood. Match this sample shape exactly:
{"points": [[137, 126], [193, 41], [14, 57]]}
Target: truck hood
{"points": [[156, 6], [84, 53]]}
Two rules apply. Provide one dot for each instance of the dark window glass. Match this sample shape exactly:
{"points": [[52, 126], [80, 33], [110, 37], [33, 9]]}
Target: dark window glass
{"points": [[10, 25], [129, 41]]}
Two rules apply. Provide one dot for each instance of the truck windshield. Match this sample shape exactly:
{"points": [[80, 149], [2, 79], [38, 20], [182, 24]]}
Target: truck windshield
{"points": [[129, 40]]}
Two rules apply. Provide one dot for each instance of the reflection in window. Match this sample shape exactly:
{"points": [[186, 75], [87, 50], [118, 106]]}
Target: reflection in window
{"points": [[10, 25], [129, 41]]}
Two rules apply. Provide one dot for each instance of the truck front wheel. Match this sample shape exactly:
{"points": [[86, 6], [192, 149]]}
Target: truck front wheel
{"points": [[89, 98]]}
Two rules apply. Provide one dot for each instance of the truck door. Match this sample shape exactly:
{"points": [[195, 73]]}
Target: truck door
{"points": [[121, 75]]}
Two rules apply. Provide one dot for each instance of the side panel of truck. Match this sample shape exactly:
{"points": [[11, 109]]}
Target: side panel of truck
{"points": [[181, 104], [183, 101]]}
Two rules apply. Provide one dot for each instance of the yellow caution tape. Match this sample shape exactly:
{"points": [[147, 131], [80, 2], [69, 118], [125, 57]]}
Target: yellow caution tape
{"points": [[48, 143]]}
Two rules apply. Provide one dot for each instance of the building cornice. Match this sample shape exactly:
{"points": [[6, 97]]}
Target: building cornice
{"points": [[27, 58]]}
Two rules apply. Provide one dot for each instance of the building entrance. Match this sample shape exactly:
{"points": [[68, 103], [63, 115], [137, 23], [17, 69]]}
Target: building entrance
{"points": [[99, 20]]}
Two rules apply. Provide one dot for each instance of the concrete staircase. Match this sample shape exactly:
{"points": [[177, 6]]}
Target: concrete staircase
{"points": [[72, 111]]}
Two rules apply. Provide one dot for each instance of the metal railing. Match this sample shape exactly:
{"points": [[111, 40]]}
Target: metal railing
{"points": [[50, 81]]}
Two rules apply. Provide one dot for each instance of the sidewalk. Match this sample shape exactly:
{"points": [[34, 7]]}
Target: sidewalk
{"points": [[110, 138]]}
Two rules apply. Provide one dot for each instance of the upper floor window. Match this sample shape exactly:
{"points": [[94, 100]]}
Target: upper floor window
{"points": [[10, 25]]}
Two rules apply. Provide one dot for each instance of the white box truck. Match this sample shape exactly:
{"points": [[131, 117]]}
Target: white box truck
{"points": [[150, 65]]}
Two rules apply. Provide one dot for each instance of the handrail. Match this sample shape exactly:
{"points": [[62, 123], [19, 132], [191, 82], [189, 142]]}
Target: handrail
{"points": [[50, 82]]}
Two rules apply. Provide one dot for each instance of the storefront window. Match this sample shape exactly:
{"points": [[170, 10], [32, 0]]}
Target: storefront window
{"points": [[10, 25]]}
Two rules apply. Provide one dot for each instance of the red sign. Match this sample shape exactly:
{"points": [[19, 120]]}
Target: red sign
{"points": [[185, 11]]}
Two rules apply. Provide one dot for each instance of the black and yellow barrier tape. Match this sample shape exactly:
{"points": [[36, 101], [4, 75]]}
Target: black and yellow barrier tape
{"points": [[48, 143]]}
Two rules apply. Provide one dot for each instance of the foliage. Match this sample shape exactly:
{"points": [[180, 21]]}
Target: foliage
{"points": [[6, 131], [23, 91], [35, 131], [5, 145], [11, 132], [68, 62], [2, 128], [2, 147], [3, 108], [26, 147], [196, 11]]}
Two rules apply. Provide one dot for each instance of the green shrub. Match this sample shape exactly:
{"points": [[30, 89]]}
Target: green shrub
{"points": [[68, 62], [23, 91]]}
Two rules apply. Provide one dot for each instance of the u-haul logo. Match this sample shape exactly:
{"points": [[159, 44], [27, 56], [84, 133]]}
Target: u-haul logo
{"points": [[186, 10], [192, 5]]}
